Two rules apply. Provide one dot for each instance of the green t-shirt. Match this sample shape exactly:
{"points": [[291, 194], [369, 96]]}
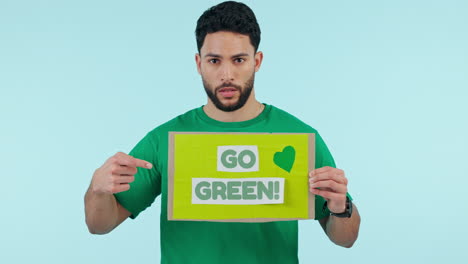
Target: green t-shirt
{"points": [[187, 242]]}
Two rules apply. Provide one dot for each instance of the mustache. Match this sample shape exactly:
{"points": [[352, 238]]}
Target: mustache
{"points": [[224, 85]]}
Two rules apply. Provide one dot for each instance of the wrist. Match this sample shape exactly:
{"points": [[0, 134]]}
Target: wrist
{"points": [[338, 211], [346, 213]]}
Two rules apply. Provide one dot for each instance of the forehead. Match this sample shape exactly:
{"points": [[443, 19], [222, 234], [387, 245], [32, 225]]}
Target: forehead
{"points": [[226, 43]]}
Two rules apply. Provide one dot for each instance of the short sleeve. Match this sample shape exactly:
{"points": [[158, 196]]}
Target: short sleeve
{"points": [[147, 184], [323, 158]]}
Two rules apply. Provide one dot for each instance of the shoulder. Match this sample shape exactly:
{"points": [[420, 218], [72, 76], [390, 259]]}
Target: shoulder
{"points": [[290, 122], [176, 124]]}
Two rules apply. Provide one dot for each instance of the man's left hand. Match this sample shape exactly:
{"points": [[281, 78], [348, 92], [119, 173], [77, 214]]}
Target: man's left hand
{"points": [[332, 185]]}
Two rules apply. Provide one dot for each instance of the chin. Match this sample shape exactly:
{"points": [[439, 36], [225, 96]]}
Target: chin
{"points": [[229, 102]]}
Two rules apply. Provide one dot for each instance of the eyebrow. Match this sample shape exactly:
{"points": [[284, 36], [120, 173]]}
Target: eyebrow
{"points": [[213, 55]]}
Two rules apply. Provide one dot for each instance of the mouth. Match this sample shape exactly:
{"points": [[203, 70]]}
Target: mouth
{"points": [[227, 92]]}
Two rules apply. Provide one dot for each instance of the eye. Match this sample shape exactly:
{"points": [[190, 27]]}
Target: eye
{"points": [[239, 60], [214, 61]]}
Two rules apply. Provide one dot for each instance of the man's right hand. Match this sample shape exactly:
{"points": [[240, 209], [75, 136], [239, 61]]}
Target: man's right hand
{"points": [[116, 173]]}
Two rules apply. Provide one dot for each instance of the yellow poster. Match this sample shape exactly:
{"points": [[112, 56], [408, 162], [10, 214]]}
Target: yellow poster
{"points": [[240, 177]]}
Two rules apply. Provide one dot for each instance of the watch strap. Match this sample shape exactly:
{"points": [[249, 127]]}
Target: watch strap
{"points": [[348, 211]]}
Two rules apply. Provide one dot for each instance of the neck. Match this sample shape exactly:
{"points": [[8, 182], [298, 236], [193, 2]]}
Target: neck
{"points": [[250, 110]]}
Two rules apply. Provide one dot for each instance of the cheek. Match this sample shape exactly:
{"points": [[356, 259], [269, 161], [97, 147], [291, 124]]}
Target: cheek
{"points": [[207, 75], [210, 73], [247, 72]]}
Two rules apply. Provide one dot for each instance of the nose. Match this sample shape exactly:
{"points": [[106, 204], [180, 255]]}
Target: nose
{"points": [[227, 73]]}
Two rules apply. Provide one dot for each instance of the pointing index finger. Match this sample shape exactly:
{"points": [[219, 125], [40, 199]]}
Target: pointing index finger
{"points": [[142, 163], [134, 162]]}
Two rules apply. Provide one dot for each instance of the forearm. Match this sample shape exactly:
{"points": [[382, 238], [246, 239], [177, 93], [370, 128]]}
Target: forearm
{"points": [[343, 231], [101, 211]]}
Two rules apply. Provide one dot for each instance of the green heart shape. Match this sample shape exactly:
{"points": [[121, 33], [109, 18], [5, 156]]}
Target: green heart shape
{"points": [[285, 159]]}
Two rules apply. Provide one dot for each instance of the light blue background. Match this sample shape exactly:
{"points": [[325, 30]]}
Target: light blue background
{"points": [[385, 82]]}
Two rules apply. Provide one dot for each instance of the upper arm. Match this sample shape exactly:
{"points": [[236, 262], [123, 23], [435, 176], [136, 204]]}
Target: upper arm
{"points": [[122, 214], [147, 182]]}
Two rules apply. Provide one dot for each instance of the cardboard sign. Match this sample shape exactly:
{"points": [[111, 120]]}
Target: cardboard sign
{"points": [[240, 177]]}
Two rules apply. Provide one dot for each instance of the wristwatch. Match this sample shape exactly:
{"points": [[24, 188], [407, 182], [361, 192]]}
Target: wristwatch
{"points": [[348, 211]]}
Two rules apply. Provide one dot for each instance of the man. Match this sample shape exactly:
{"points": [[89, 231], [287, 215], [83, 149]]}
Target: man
{"points": [[227, 37]]}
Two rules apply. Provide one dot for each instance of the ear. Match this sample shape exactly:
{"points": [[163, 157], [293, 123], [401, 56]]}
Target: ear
{"points": [[198, 62], [258, 60]]}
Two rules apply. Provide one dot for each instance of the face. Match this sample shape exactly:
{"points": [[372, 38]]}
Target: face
{"points": [[227, 63]]}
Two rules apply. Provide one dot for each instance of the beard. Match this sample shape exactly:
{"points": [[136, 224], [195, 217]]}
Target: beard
{"points": [[244, 94]]}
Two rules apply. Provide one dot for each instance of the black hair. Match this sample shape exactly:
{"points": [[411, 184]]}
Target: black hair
{"points": [[228, 16]]}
